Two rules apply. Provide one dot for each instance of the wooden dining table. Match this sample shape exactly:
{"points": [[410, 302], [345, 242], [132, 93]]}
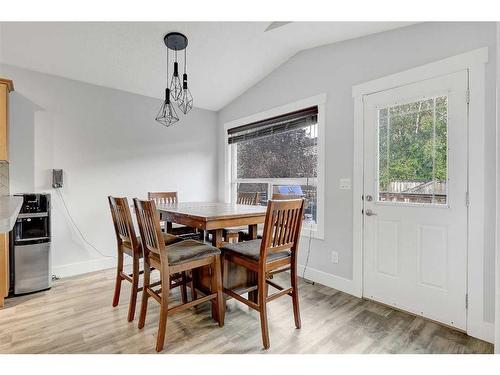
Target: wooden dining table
{"points": [[214, 217]]}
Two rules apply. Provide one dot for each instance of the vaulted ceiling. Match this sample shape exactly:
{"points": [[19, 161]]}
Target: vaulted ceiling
{"points": [[224, 58]]}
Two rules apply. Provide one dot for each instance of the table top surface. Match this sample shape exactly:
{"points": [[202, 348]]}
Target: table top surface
{"points": [[212, 210]]}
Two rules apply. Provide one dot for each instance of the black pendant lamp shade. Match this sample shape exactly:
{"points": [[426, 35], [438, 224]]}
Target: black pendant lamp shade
{"points": [[175, 91], [175, 84], [167, 116], [186, 99]]}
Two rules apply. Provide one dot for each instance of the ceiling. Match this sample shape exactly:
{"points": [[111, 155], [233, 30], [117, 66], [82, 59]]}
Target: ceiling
{"points": [[224, 58]]}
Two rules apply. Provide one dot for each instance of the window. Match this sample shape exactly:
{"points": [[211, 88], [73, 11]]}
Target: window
{"points": [[413, 151], [281, 155]]}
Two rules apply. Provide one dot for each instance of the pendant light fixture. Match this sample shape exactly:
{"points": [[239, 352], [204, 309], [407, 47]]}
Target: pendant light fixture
{"points": [[186, 99], [167, 116], [175, 91], [175, 84]]}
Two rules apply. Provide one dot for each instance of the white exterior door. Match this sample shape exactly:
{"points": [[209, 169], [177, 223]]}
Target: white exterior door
{"points": [[415, 198]]}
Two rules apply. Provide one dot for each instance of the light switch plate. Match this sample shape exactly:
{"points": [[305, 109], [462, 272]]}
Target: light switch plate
{"points": [[345, 184]]}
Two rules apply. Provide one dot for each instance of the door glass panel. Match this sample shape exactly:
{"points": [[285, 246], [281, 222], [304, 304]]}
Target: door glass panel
{"points": [[413, 152]]}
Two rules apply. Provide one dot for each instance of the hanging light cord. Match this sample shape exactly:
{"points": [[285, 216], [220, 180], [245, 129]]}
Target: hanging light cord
{"points": [[167, 68]]}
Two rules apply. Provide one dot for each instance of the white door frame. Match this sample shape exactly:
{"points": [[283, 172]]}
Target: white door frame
{"points": [[474, 62]]}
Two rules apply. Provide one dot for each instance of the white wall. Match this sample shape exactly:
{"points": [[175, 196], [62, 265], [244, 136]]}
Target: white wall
{"points": [[497, 298], [334, 69], [107, 142]]}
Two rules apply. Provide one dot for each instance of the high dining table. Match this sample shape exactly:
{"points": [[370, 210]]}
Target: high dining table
{"points": [[214, 217]]}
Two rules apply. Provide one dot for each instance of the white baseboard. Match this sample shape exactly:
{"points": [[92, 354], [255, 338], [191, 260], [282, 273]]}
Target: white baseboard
{"points": [[73, 269], [483, 331], [332, 281]]}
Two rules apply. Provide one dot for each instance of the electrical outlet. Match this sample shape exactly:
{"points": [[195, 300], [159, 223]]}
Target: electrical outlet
{"points": [[335, 257], [345, 184]]}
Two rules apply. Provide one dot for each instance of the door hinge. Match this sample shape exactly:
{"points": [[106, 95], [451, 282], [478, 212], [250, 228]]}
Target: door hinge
{"points": [[467, 200], [467, 96], [467, 300]]}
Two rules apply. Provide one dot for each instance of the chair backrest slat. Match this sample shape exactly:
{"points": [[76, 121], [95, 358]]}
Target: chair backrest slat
{"points": [[122, 221], [251, 199], [165, 197], [282, 226], [148, 221]]}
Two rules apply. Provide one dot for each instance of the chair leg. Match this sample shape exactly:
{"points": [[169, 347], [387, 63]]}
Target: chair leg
{"points": [[133, 292], [183, 288], [262, 291], [145, 295], [162, 325], [295, 294], [193, 290], [217, 287], [253, 280], [118, 282]]}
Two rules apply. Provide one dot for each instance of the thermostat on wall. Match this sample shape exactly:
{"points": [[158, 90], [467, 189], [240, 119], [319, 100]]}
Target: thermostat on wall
{"points": [[57, 178]]}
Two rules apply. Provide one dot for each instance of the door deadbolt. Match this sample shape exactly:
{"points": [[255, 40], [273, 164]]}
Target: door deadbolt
{"points": [[369, 198]]}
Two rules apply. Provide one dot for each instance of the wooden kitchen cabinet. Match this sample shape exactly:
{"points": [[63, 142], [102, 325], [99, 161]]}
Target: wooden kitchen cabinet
{"points": [[6, 86]]}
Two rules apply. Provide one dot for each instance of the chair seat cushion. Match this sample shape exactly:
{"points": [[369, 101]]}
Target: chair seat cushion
{"points": [[168, 238], [251, 250], [188, 250], [171, 238]]}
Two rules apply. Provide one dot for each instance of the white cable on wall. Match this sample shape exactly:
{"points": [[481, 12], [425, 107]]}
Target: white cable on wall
{"points": [[72, 221], [308, 252], [308, 247]]}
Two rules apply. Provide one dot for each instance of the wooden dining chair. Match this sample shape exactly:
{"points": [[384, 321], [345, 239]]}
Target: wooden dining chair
{"points": [[248, 198], [174, 259], [128, 244], [170, 197], [277, 249], [280, 197]]}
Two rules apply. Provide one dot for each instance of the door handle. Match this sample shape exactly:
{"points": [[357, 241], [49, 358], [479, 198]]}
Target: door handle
{"points": [[370, 213]]}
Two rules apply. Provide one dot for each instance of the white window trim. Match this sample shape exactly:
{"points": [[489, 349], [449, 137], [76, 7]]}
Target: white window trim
{"points": [[474, 62], [320, 102]]}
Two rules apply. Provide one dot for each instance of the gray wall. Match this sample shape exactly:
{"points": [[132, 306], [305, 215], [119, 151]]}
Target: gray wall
{"points": [[334, 69], [107, 142], [497, 314]]}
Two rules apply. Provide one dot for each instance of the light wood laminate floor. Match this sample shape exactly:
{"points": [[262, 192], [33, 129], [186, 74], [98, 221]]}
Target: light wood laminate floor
{"points": [[76, 316]]}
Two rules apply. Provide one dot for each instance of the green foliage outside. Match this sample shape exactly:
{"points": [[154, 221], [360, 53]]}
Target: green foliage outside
{"points": [[408, 148], [292, 154]]}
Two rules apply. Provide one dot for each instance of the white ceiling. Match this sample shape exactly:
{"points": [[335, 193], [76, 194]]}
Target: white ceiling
{"points": [[224, 58]]}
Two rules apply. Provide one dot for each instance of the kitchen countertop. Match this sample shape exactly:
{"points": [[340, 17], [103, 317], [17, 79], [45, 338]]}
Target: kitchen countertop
{"points": [[9, 209]]}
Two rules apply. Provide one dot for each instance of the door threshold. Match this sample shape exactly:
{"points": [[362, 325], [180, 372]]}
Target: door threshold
{"points": [[416, 315]]}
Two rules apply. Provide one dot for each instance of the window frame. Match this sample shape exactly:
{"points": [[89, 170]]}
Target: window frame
{"points": [[230, 180]]}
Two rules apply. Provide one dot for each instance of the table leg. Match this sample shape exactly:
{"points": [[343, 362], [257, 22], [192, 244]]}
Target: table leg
{"points": [[217, 237], [168, 228], [252, 231]]}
